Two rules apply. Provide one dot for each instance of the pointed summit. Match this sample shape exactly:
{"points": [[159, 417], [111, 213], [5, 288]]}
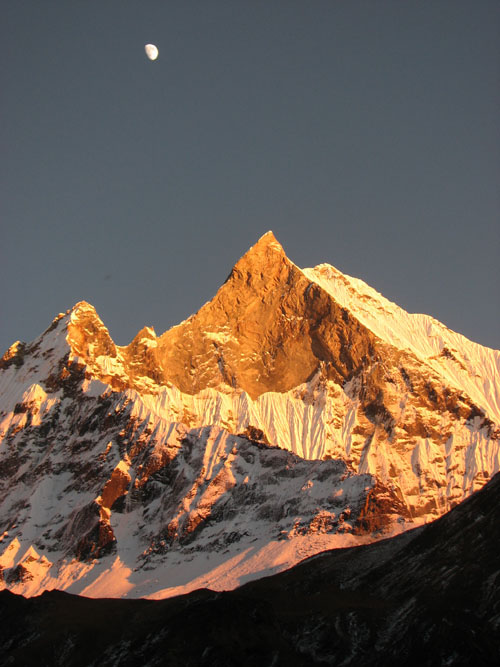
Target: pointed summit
{"points": [[267, 247], [268, 240], [268, 328], [263, 263], [83, 306], [87, 335], [267, 243]]}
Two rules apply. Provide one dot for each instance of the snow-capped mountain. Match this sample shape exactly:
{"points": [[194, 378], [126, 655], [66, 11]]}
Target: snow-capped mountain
{"points": [[296, 411]]}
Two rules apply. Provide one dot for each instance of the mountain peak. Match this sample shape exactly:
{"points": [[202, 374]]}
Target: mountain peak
{"points": [[87, 335], [266, 246], [261, 263], [169, 435], [268, 238], [267, 242], [82, 306], [268, 328]]}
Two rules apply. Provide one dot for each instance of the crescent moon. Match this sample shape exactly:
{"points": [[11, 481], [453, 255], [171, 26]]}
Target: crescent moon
{"points": [[151, 51]]}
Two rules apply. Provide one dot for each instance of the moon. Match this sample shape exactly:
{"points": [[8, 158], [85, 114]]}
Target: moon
{"points": [[151, 51]]}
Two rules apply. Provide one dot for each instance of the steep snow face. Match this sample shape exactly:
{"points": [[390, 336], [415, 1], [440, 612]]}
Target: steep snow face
{"points": [[296, 411], [458, 361], [431, 462]]}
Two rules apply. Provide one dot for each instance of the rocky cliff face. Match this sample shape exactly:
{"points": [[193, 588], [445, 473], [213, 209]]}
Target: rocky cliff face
{"points": [[268, 329], [296, 411]]}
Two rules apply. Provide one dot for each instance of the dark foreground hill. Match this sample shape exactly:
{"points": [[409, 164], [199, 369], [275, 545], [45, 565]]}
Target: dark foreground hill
{"points": [[427, 597]]}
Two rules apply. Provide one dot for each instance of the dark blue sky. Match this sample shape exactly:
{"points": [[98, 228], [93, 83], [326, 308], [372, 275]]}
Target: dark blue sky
{"points": [[364, 134]]}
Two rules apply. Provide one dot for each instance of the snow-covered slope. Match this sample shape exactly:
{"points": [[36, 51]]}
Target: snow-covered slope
{"points": [[296, 411], [98, 500], [461, 363]]}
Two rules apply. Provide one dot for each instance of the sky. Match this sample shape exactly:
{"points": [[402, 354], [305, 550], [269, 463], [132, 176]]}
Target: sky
{"points": [[365, 134]]}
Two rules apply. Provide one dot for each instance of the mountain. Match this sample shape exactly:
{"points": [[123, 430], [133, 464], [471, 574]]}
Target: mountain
{"points": [[428, 597], [296, 411]]}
